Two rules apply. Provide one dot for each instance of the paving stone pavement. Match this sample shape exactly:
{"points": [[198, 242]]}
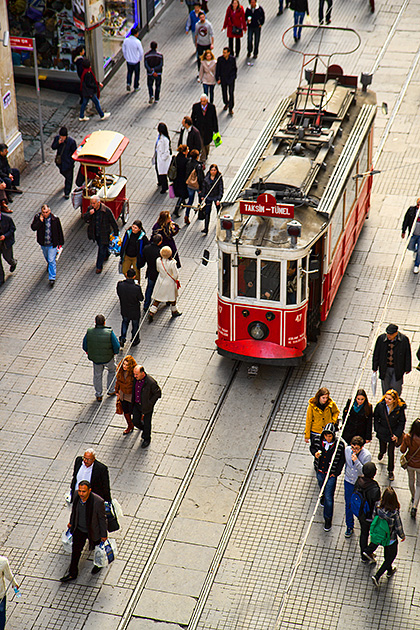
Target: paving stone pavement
{"points": [[48, 414]]}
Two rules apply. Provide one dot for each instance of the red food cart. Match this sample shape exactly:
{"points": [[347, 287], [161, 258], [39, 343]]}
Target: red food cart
{"points": [[97, 152]]}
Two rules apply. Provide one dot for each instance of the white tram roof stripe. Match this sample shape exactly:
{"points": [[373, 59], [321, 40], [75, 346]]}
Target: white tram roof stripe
{"points": [[342, 170]]}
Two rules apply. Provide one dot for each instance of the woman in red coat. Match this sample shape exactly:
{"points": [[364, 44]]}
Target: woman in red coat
{"points": [[236, 25]]}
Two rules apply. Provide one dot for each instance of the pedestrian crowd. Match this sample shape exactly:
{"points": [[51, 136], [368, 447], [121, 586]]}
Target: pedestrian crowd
{"points": [[378, 513]]}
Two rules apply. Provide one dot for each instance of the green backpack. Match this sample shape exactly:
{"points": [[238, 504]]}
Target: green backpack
{"points": [[379, 532]]}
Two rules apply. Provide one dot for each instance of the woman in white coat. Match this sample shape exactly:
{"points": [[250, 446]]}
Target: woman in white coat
{"points": [[162, 157], [167, 283]]}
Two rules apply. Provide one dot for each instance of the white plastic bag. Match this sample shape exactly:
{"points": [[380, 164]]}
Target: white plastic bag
{"points": [[105, 553], [374, 382], [77, 196], [67, 540], [118, 509]]}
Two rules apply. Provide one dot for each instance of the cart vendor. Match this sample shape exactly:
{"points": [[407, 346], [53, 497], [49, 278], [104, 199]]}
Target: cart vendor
{"points": [[101, 224]]}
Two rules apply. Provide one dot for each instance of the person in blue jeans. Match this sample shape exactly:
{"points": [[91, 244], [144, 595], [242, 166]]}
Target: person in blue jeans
{"points": [[89, 88], [326, 449], [194, 181], [355, 455], [300, 8], [49, 235]]}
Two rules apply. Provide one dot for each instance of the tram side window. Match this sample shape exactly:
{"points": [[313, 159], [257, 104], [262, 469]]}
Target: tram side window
{"points": [[226, 267], [291, 282], [303, 280], [270, 280], [247, 277]]}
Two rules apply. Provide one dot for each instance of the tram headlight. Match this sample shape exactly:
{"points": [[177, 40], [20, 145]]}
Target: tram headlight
{"points": [[258, 331]]}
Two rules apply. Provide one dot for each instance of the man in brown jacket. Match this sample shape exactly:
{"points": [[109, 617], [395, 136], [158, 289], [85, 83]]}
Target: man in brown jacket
{"points": [[87, 522]]}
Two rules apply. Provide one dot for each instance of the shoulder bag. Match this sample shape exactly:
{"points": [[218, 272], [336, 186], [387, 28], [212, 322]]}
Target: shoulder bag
{"points": [[404, 460], [177, 282], [400, 439]]}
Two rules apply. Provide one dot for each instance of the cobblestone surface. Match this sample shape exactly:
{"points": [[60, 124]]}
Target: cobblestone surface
{"points": [[48, 413]]}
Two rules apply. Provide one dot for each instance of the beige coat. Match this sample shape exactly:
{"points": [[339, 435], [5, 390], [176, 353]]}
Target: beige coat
{"points": [[207, 73], [165, 288]]}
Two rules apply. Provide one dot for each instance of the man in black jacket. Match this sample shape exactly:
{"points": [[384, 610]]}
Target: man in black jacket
{"points": [[87, 468], [204, 117], [414, 244], [371, 493], [101, 224], [146, 392], [150, 254], [255, 18], [49, 235], [392, 355], [226, 72], [87, 522], [7, 239], [131, 296], [190, 135], [153, 62], [10, 176], [65, 146]]}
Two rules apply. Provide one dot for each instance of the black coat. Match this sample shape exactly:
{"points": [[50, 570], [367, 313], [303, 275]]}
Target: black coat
{"points": [[192, 139], [89, 86], [130, 295], [402, 356], [371, 492], [299, 5], [206, 123], [335, 453], [409, 217], [108, 224], [95, 518], [226, 70], [396, 421], [212, 189], [38, 226], [99, 480], [66, 150], [180, 187], [7, 229], [141, 242], [150, 394], [257, 17], [357, 423], [151, 254], [5, 169]]}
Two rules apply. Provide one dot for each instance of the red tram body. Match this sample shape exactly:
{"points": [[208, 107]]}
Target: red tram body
{"points": [[278, 279]]}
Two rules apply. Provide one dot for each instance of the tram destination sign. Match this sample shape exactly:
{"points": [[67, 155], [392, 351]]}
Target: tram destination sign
{"points": [[267, 206]]}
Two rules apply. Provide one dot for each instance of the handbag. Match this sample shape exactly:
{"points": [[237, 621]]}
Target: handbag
{"points": [[400, 439], [118, 408], [201, 214], [192, 180], [171, 191], [404, 460], [113, 524], [236, 31]]}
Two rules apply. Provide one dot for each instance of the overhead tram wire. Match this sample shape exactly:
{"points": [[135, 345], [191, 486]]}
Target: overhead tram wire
{"points": [[375, 159]]}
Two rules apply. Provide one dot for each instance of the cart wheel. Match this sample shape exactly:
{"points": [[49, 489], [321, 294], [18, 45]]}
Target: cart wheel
{"points": [[125, 212]]}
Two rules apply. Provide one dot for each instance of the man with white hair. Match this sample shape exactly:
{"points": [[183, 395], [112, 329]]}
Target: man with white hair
{"points": [[87, 468], [101, 224], [204, 117]]}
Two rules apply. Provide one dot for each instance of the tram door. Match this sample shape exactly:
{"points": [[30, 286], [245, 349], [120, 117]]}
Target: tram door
{"points": [[315, 290]]}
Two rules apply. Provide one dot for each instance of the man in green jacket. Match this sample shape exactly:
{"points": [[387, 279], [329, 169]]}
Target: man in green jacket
{"points": [[101, 345]]}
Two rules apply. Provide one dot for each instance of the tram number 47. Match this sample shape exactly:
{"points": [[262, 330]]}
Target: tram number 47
{"points": [[298, 317]]}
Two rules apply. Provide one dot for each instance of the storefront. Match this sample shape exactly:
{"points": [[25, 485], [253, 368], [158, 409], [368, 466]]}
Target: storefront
{"points": [[61, 27]]}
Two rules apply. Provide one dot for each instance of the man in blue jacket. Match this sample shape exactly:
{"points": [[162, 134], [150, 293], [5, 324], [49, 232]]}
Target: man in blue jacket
{"points": [[65, 147]]}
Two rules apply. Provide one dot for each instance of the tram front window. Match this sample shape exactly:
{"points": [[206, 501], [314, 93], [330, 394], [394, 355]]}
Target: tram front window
{"points": [[291, 281], [247, 277], [270, 280]]}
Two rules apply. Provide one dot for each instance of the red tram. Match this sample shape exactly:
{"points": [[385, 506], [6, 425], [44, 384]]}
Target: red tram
{"points": [[278, 277]]}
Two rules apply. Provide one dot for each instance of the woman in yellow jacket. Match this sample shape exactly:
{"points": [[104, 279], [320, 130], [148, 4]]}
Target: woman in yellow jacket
{"points": [[321, 410]]}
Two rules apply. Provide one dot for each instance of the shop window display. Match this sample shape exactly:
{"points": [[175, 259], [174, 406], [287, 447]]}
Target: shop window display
{"points": [[120, 17], [56, 30]]}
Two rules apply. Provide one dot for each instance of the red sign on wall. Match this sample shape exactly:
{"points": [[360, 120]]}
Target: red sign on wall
{"points": [[267, 206], [22, 43]]}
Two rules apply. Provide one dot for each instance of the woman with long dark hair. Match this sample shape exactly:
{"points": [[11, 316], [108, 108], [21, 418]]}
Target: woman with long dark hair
{"points": [[124, 389], [180, 187], [167, 229], [388, 509], [389, 423], [359, 416], [321, 411], [411, 447], [162, 156], [211, 192]]}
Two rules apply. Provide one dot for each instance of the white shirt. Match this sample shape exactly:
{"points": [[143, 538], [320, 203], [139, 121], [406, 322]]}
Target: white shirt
{"points": [[132, 49], [84, 474], [5, 572]]}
